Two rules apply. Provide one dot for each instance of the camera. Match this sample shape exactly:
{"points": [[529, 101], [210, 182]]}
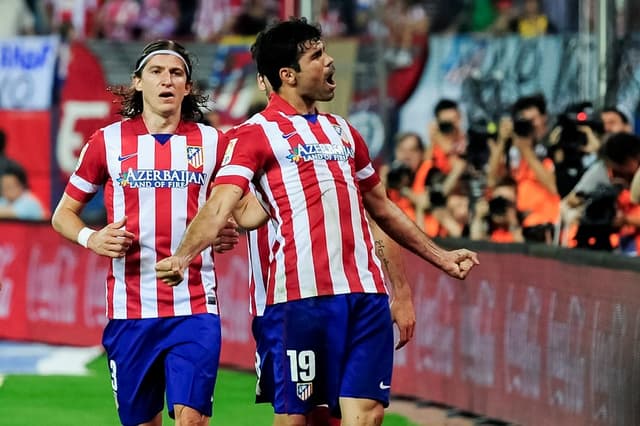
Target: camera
{"points": [[498, 206], [596, 224], [478, 136], [446, 127], [523, 127], [577, 115], [399, 176], [434, 185]]}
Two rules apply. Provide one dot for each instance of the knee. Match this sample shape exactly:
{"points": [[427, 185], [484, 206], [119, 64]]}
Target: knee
{"points": [[373, 416], [290, 420], [359, 412], [187, 416]]}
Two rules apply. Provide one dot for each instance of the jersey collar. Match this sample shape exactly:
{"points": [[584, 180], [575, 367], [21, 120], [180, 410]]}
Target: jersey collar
{"points": [[277, 103]]}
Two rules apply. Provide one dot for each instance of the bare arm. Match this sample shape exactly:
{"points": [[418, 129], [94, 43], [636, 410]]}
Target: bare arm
{"points": [[544, 176], [112, 241], [401, 228], [402, 311], [249, 213], [201, 232]]}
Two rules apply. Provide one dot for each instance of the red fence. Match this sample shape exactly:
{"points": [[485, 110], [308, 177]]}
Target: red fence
{"points": [[527, 339]]}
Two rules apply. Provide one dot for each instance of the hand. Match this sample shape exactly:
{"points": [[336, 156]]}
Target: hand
{"points": [[227, 238], [170, 270], [458, 263], [505, 129], [404, 316], [112, 241]]}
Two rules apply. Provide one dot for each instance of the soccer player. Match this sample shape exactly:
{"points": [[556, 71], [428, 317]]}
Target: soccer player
{"points": [[328, 314], [155, 167]]}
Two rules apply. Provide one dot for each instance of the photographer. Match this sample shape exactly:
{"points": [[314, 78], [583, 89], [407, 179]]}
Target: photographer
{"points": [[497, 219], [596, 176], [607, 216], [448, 141], [574, 142], [520, 152]]}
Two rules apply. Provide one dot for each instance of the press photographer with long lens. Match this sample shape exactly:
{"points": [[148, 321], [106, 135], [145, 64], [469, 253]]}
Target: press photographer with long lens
{"points": [[520, 151], [595, 182], [574, 142], [609, 219]]}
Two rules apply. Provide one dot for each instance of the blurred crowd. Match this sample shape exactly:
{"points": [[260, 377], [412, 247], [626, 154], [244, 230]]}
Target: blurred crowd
{"points": [[564, 180], [399, 21], [527, 177]]}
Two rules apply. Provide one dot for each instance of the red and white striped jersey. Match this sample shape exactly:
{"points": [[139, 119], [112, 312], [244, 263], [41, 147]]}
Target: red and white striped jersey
{"points": [[159, 182], [260, 242], [310, 171]]}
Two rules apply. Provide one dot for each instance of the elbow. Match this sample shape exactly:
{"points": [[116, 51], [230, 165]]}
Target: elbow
{"points": [[55, 221]]}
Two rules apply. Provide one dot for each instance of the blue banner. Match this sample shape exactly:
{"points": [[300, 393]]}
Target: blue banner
{"points": [[27, 72]]}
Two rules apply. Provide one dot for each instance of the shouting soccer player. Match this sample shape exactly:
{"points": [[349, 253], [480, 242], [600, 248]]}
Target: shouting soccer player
{"points": [[327, 312]]}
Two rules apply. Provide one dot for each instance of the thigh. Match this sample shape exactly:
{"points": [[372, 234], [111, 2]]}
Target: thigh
{"points": [[298, 355], [191, 362], [368, 361], [136, 365]]}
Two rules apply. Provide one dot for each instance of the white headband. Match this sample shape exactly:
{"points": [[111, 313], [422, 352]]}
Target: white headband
{"points": [[162, 52]]}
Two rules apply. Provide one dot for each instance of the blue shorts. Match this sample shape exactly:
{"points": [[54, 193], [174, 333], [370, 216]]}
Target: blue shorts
{"points": [[313, 351], [147, 356]]}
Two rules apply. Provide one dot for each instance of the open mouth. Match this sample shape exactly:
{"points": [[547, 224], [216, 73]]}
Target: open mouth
{"points": [[330, 81], [166, 95]]}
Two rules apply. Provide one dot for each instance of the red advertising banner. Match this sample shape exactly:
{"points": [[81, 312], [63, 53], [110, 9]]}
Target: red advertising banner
{"points": [[526, 339], [28, 136]]}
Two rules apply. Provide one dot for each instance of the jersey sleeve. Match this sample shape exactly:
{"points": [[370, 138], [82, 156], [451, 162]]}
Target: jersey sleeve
{"points": [[91, 171], [244, 154], [366, 175]]}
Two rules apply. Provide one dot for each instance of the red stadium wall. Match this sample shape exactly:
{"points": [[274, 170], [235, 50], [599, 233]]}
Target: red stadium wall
{"points": [[29, 143], [527, 339]]}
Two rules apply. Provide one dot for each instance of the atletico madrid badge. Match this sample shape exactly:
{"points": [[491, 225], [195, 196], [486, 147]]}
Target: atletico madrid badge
{"points": [[194, 156], [304, 390]]}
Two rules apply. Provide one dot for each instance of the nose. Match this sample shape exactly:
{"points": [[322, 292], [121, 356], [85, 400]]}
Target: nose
{"points": [[329, 60], [165, 78]]}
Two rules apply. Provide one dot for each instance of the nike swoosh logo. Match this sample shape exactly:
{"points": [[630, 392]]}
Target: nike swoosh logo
{"points": [[383, 386], [126, 157], [288, 135]]}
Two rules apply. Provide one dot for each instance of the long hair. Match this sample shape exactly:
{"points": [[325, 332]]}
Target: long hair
{"points": [[281, 46], [131, 99]]}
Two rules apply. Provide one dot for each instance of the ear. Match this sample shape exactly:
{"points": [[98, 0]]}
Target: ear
{"points": [[187, 88], [137, 83], [288, 76]]}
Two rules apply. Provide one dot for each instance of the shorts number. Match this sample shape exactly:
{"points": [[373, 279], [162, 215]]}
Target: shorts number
{"points": [[258, 372], [114, 381], [302, 365]]}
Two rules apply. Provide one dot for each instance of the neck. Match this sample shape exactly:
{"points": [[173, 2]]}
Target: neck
{"points": [[158, 124], [301, 104]]}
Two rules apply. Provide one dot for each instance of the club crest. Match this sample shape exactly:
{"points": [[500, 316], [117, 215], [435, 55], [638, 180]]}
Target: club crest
{"points": [[195, 156]]}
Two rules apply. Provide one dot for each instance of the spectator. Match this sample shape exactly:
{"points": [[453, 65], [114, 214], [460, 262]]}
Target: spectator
{"points": [[520, 152], [158, 19], [408, 24], [253, 18], [5, 162], [17, 202], [532, 22], [118, 20], [330, 20], [214, 19]]}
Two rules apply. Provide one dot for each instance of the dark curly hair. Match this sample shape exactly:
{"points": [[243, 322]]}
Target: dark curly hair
{"points": [[131, 99], [281, 45]]}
